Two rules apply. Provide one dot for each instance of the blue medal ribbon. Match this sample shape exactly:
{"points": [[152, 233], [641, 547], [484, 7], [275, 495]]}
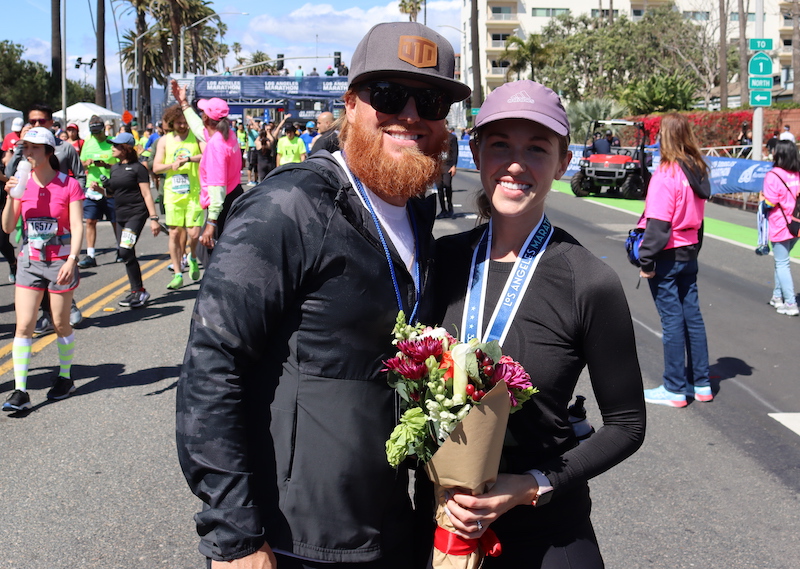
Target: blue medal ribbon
{"points": [[515, 287], [387, 253]]}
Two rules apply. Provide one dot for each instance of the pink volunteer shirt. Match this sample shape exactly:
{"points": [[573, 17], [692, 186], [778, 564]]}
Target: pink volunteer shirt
{"points": [[777, 194], [221, 165], [670, 198]]}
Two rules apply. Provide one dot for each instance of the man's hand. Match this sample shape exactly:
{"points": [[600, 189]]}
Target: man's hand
{"points": [[261, 559], [647, 275]]}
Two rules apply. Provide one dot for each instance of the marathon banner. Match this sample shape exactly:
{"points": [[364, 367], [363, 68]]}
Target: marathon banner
{"points": [[268, 87]]}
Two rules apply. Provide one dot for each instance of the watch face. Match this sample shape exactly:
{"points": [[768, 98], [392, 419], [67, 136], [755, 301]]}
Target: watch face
{"points": [[543, 499]]}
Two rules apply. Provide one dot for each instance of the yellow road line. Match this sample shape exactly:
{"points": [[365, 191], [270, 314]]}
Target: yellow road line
{"points": [[117, 287]]}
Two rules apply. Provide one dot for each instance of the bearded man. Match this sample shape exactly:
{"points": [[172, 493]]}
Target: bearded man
{"points": [[283, 411]]}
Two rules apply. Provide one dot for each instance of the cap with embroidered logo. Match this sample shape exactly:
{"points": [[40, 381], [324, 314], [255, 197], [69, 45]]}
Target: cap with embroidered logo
{"points": [[407, 50], [525, 100], [40, 135]]}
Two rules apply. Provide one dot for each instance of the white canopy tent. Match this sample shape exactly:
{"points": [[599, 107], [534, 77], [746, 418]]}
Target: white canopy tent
{"points": [[7, 115], [80, 113]]}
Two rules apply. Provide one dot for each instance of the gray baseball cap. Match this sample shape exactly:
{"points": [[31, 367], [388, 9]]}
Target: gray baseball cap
{"points": [[407, 50], [525, 100]]}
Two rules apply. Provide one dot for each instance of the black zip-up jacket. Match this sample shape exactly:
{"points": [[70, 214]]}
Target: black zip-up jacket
{"points": [[282, 408]]}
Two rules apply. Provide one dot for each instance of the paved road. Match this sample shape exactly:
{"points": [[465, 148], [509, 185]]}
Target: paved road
{"points": [[93, 482]]}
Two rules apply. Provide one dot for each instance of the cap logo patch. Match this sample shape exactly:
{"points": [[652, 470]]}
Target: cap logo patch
{"points": [[521, 97], [418, 51]]}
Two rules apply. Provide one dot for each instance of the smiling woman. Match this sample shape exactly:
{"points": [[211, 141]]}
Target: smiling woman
{"points": [[556, 309]]}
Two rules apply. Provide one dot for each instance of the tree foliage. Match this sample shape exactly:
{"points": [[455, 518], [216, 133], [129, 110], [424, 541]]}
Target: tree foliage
{"points": [[24, 83], [582, 113], [595, 58], [525, 55], [660, 93]]}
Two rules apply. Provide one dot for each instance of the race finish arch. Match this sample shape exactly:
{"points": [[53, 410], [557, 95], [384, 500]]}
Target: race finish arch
{"points": [[303, 97]]}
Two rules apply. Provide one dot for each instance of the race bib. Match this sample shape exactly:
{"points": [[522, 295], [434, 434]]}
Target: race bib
{"points": [[128, 239], [41, 230], [180, 183], [93, 195]]}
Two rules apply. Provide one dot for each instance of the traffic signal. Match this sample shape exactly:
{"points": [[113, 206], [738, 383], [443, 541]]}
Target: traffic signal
{"points": [[129, 99], [337, 59], [279, 65]]}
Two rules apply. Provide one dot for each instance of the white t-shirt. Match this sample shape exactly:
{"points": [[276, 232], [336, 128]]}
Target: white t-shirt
{"points": [[786, 135], [394, 219]]}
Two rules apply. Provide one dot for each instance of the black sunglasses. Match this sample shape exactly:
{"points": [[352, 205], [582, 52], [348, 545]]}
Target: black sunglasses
{"points": [[391, 98]]}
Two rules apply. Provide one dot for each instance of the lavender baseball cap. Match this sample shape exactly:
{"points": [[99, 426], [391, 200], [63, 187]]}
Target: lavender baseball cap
{"points": [[525, 100]]}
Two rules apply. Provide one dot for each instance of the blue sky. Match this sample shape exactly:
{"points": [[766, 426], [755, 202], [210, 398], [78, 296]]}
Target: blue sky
{"points": [[296, 29]]}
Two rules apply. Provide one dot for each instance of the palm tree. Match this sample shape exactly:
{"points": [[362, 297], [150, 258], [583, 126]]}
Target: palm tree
{"points": [[100, 81], [526, 54], [259, 56], [55, 44], [237, 49], [581, 113], [410, 7]]}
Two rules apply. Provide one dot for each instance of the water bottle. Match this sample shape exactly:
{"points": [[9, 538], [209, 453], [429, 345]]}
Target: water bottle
{"points": [[577, 418], [22, 174]]}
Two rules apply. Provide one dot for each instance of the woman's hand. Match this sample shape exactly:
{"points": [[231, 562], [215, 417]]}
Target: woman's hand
{"points": [[11, 184], [466, 511], [207, 237], [647, 274], [67, 271], [155, 227], [178, 92]]}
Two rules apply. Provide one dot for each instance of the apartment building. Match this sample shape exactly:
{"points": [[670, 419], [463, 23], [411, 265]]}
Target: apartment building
{"points": [[499, 19]]}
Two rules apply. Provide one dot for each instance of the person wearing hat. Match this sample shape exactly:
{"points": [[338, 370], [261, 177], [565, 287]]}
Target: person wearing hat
{"points": [[282, 409], [50, 206], [566, 312], [10, 141], [129, 183], [220, 164], [74, 136], [290, 148], [308, 135], [69, 163], [97, 157]]}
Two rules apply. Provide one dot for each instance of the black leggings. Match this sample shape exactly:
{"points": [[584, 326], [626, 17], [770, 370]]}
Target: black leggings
{"points": [[576, 548], [445, 189], [131, 226]]}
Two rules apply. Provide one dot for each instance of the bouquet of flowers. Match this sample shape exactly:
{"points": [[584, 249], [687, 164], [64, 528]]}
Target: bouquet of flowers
{"points": [[457, 397]]}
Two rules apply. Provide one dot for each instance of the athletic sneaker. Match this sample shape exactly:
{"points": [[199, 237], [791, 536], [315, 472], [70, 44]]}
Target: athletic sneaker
{"points": [[660, 396], [789, 309], [703, 393], [87, 262], [43, 326], [127, 300], [17, 401], [62, 388], [194, 268], [176, 282], [183, 265], [140, 299], [776, 302], [12, 277], [75, 315]]}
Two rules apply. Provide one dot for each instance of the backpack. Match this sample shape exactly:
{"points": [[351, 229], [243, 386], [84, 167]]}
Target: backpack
{"points": [[632, 244], [793, 223]]}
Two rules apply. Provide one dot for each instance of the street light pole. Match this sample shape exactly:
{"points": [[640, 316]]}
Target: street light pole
{"points": [[137, 76], [197, 23]]}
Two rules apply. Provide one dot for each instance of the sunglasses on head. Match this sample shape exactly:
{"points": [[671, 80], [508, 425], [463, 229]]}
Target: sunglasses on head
{"points": [[390, 98]]}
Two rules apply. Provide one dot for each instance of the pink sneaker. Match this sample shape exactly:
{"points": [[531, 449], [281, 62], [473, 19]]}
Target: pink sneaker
{"points": [[703, 393]]}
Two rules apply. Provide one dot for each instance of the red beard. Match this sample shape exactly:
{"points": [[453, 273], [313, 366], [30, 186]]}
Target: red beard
{"points": [[385, 175]]}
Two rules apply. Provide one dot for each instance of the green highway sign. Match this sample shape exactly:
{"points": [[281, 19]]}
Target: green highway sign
{"points": [[760, 98], [760, 83], [760, 44], [475, 111], [760, 64]]}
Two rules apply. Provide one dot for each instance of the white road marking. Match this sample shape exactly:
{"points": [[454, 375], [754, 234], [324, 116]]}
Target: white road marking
{"points": [[789, 420]]}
